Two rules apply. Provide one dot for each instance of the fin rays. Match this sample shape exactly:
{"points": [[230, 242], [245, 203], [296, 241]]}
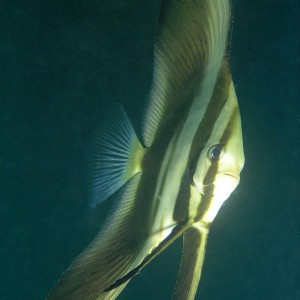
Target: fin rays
{"points": [[191, 39], [110, 256], [115, 157]]}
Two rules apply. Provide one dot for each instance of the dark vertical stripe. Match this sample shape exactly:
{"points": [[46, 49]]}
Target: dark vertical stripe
{"points": [[152, 167], [213, 111], [181, 210], [213, 169], [203, 133]]}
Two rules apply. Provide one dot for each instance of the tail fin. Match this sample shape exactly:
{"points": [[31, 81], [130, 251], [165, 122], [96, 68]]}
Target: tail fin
{"points": [[115, 156]]}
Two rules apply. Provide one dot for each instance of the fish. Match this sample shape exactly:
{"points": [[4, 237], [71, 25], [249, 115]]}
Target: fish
{"points": [[172, 182]]}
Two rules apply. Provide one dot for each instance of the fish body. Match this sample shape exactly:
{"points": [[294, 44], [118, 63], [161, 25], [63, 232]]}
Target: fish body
{"points": [[189, 162]]}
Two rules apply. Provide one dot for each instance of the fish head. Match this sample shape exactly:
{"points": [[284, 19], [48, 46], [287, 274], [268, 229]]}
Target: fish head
{"points": [[216, 172]]}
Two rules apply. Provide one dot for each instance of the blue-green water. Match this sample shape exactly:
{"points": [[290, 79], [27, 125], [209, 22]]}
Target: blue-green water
{"points": [[63, 63]]}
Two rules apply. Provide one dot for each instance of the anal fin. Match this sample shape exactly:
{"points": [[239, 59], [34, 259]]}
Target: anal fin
{"points": [[110, 256], [176, 232]]}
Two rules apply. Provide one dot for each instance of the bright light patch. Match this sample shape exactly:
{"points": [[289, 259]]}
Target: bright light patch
{"points": [[223, 187]]}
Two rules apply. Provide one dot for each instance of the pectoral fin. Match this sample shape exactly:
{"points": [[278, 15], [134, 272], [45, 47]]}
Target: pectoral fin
{"points": [[194, 243]]}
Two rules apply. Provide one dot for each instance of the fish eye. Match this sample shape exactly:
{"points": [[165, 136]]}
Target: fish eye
{"points": [[216, 152]]}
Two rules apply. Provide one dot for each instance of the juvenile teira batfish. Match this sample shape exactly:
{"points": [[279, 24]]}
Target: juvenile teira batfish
{"points": [[175, 180]]}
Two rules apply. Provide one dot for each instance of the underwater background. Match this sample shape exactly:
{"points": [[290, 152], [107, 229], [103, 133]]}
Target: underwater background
{"points": [[63, 64]]}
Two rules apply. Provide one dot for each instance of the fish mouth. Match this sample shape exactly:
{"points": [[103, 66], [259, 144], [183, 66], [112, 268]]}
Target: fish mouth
{"points": [[206, 188], [236, 177]]}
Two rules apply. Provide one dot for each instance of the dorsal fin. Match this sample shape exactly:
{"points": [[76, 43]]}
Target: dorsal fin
{"points": [[190, 40], [115, 156]]}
